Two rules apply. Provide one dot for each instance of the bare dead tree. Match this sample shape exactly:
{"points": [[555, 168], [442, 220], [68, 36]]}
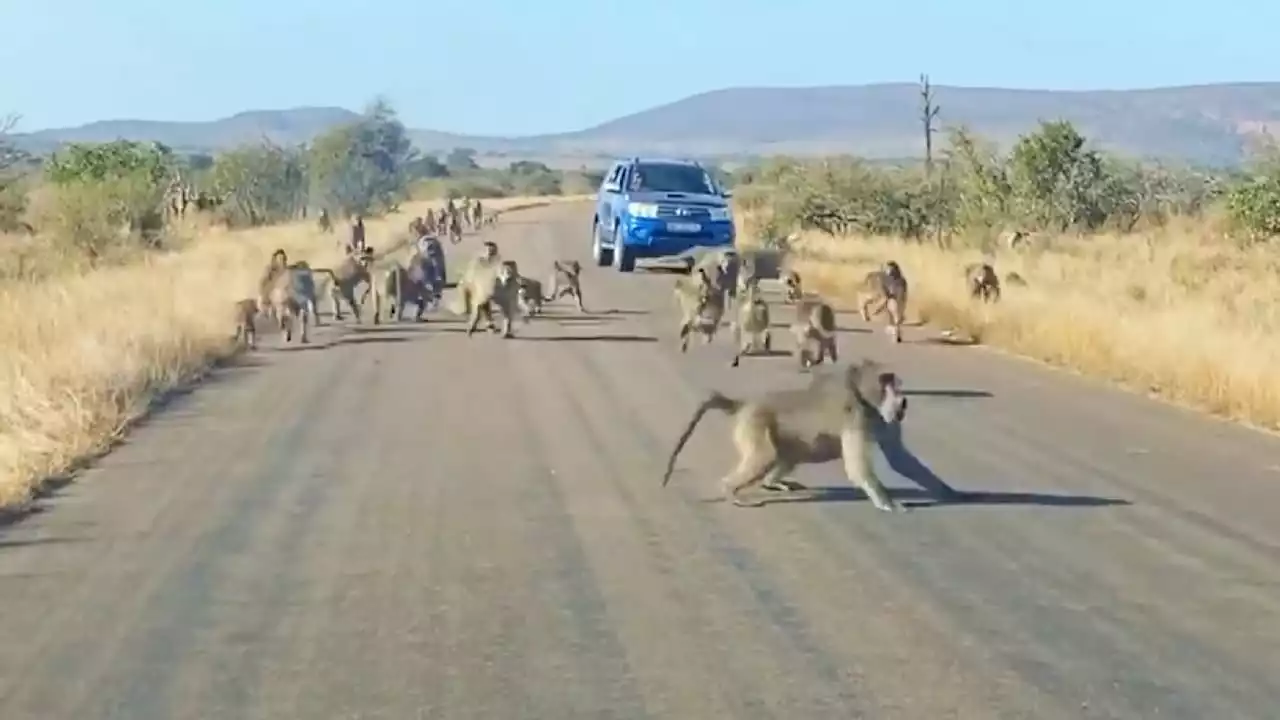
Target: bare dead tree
{"points": [[928, 114]]}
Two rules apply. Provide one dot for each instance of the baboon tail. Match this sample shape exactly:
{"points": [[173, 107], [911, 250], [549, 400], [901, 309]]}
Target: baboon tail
{"points": [[329, 278], [714, 401]]}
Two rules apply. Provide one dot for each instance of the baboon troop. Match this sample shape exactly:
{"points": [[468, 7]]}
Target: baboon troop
{"points": [[840, 413], [837, 416]]}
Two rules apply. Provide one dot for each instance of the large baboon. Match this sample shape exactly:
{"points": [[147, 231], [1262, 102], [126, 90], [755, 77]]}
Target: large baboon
{"points": [[488, 282], [566, 281], [701, 305], [982, 281], [886, 289], [751, 329], [839, 414], [814, 331]]}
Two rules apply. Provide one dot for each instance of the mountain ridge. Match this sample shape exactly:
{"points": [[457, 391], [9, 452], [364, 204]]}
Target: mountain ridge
{"points": [[1207, 123]]}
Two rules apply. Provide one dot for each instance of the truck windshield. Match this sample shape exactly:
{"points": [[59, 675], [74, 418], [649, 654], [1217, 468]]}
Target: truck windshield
{"points": [[671, 177]]}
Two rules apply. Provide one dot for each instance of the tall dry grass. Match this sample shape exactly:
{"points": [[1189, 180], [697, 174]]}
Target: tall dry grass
{"points": [[1179, 312], [82, 356]]}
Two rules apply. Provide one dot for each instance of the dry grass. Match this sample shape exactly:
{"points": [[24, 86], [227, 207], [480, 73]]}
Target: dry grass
{"points": [[83, 356], [1177, 312]]}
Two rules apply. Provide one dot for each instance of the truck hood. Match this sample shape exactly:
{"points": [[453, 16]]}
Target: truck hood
{"points": [[699, 199]]}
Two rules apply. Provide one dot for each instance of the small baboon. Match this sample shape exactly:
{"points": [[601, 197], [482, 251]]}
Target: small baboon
{"points": [[1013, 279], [814, 330], [839, 414], [751, 330], [983, 282], [565, 281], [792, 282], [529, 294], [488, 282], [722, 267], [885, 288], [402, 285], [246, 315], [346, 277], [701, 306], [304, 282]]}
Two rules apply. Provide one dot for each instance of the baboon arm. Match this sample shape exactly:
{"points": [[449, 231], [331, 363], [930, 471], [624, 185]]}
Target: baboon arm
{"points": [[855, 442]]}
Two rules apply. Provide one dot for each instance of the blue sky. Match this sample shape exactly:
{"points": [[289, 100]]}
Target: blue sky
{"points": [[552, 66]]}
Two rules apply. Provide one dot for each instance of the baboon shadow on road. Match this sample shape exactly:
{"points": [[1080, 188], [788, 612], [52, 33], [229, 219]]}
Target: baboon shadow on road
{"points": [[933, 490]]}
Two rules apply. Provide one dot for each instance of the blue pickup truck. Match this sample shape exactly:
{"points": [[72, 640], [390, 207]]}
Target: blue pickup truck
{"points": [[650, 208]]}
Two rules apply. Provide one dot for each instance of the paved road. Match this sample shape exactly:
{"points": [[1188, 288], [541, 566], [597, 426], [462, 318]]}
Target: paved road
{"points": [[401, 523]]}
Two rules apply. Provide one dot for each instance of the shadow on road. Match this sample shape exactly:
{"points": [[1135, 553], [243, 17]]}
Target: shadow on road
{"points": [[948, 393], [593, 338]]}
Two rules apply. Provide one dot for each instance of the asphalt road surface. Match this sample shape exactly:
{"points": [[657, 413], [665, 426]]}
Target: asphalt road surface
{"points": [[398, 522]]}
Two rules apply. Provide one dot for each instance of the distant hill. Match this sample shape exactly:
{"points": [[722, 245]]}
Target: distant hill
{"points": [[1204, 124]]}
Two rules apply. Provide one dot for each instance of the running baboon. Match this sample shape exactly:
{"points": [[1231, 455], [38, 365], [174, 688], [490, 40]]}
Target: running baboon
{"points": [[701, 306], [751, 330], [246, 315], [529, 294], [565, 280], [1014, 279], [814, 330], [983, 282], [290, 307], [346, 277], [840, 414], [722, 268], [792, 282], [885, 288], [402, 284], [487, 282]]}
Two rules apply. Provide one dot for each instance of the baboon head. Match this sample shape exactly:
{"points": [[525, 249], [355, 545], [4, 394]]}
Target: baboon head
{"points": [[892, 270], [490, 250], [279, 258], [880, 388]]}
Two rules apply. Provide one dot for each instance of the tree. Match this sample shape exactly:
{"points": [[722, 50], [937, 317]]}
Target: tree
{"points": [[461, 160], [259, 185], [363, 167]]}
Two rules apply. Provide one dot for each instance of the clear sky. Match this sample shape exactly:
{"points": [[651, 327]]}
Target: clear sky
{"points": [[520, 66]]}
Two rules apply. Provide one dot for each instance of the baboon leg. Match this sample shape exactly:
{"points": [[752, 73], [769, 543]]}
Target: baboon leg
{"points": [[578, 296], [476, 310], [777, 479], [831, 347], [864, 302], [302, 323], [506, 325], [855, 451], [422, 307], [685, 330], [739, 348], [336, 296], [751, 469]]}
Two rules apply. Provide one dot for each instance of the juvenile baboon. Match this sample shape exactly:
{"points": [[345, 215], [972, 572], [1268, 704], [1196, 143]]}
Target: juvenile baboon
{"points": [[429, 247], [488, 282], [345, 278], [565, 281], [404, 284], [982, 281], [246, 315], [701, 306], [838, 415], [751, 330], [1014, 279], [722, 268], [885, 288], [304, 284], [792, 282], [529, 294], [814, 330]]}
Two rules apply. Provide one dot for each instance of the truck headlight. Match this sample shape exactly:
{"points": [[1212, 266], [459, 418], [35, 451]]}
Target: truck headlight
{"points": [[642, 210]]}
